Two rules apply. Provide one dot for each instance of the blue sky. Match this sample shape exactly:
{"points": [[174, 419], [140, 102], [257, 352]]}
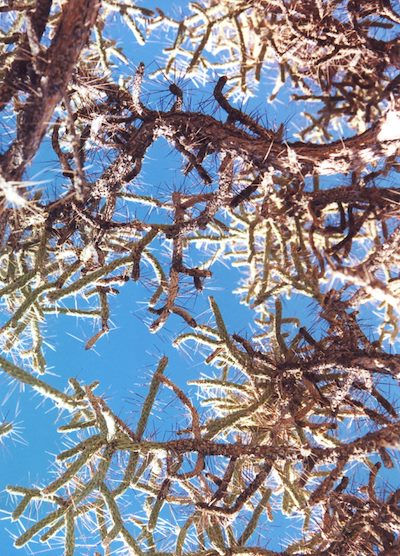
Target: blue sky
{"points": [[124, 360]]}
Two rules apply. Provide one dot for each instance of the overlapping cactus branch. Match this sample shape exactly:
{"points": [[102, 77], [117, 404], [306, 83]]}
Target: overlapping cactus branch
{"points": [[271, 441], [299, 419], [78, 244], [343, 55]]}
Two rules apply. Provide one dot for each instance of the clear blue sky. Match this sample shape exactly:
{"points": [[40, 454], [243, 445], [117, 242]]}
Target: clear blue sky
{"points": [[123, 360]]}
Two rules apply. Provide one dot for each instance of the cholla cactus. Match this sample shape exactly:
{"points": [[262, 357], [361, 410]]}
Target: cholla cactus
{"points": [[294, 422], [331, 51]]}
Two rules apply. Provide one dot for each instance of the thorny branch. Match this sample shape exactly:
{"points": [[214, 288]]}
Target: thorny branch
{"points": [[295, 411]]}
